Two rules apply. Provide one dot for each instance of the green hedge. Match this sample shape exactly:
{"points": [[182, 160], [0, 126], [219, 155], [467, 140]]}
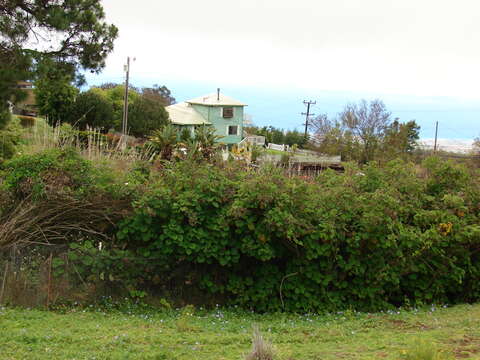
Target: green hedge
{"points": [[366, 239]]}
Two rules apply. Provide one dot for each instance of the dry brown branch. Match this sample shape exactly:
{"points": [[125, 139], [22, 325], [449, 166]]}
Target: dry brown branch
{"points": [[57, 220]]}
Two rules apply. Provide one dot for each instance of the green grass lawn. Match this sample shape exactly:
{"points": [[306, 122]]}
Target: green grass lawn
{"points": [[226, 334]]}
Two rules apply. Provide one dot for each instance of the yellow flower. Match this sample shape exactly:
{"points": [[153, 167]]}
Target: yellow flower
{"points": [[445, 228]]}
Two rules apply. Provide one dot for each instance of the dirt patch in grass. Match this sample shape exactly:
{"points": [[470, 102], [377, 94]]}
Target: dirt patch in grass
{"points": [[407, 325], [465, 347]]}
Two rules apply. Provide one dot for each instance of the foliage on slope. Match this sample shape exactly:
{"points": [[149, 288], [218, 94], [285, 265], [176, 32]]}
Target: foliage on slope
{"points": [[366, 239]]}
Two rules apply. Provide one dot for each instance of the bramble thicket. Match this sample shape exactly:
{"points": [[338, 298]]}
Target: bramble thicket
{"points": [[222, 233]]}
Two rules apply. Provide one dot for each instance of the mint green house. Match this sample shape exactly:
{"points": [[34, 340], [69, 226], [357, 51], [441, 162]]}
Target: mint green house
{"points": [[222, 112]]}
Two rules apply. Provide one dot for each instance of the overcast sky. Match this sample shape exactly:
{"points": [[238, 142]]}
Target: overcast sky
{"points": [[415, 47], [421, 57]]}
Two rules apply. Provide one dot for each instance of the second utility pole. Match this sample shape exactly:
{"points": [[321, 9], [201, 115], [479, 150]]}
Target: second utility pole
{"points": [[307, 114], [125, 103]]}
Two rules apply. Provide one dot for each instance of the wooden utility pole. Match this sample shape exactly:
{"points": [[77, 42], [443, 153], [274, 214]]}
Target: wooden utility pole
{"points": [[125, 102], [436, 134], [307, 114]]}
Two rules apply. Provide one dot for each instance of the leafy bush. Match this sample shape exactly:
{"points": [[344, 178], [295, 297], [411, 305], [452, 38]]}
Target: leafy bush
{"points": [[51, 171], [9, 139], [7, 145], [364, 239], [371, 240]]}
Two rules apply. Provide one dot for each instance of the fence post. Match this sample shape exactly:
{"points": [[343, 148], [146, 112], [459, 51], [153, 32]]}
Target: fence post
{"points": [[2, 291], [49, 280]]}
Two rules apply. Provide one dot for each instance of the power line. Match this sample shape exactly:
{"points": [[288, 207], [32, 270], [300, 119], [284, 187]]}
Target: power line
{"points": [[307, 114], [125, 102]]}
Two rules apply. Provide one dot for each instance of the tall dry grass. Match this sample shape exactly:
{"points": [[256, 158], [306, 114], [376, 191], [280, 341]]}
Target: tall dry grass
{"points": [[261, 349], [91, 144]]}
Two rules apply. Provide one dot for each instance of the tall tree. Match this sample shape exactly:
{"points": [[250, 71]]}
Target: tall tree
{"points": [[364, 135], [92, 108], [367, 122], [159, 93], [116, 95], [71, 34], [55, 94], [332, 137], [146, 107], [145, 116], [401, 138]]}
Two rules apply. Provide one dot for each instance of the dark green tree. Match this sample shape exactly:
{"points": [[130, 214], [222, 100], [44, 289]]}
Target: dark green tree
{"points": [[55, 95], [185, 135], [412, 134], [208, 142], [146, 115], [68, 34], [401, 138], [294, 137], [92, 108]]}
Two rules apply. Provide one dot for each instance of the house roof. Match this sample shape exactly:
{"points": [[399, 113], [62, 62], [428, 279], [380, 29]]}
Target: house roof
{"points": [[211, 99], [184, 114]]}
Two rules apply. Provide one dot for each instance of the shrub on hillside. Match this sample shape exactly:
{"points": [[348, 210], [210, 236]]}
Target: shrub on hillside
{"points": [[367, 240], [58, 197], [51, 171], [262, 240]]}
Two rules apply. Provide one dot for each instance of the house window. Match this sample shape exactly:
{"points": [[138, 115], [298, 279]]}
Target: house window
{"points": [[233, 130], [227, 112]]}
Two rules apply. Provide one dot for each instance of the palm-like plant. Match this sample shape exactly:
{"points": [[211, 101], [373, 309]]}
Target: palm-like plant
{"points": [[207, 141], [164, 141]]}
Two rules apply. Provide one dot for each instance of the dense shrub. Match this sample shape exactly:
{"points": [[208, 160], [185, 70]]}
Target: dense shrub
{"points": [[9, 139], [51, 171], [92, 109], [7, 145], [145, 116], [367, 240], [58, 197]]}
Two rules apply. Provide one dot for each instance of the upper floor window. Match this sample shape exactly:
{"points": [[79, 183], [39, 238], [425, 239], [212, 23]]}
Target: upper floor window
{"points": [[227, 112]]}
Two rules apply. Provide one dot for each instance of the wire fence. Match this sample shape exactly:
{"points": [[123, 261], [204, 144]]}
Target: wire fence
{"points": [[28, 277]]}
